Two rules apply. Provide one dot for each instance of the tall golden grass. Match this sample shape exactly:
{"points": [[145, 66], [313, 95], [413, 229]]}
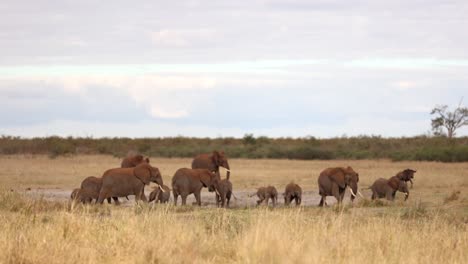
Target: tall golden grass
{"points": [[429, 228]]}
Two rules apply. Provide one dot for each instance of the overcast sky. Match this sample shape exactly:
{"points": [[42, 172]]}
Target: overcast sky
{"points": [[226, 68]]}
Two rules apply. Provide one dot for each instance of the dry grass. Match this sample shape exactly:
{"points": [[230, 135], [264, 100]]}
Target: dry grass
{"points": [[423, 230]]}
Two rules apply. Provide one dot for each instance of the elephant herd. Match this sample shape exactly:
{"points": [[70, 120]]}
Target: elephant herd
{"points": [[136, 172]]}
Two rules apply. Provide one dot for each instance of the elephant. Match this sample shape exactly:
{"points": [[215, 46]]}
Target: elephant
{"points": [[121, 182], [187, 181], [224, 193], [334, 181], [212, 162], [78, 195], [292, 192], [387, 188], [406, 175], [133, 161], [158, 196], [266, 193]]}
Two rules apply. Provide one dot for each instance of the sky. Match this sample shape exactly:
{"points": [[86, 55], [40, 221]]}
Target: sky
{"points": [[227, 68]]}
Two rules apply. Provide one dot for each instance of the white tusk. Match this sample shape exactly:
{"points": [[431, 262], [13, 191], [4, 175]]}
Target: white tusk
{"points": [[162, 188], [351, 190], [406, 194], [217, 192], [228, 170]]}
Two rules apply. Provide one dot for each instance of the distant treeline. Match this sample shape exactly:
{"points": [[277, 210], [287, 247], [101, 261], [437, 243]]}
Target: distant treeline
{"points": [[309, 148]]}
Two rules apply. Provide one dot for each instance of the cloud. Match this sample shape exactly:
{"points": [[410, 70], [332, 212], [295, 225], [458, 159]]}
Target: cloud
{"points": [[181, 38]]}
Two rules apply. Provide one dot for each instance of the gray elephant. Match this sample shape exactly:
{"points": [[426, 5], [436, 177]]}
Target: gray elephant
{"points": [[223, 196], [133, 161], [406, 175], [334, 181], [159, 196], [264, 194], [121, 182], [191, 181], [212, 162], [387, 188], [292, 192]]}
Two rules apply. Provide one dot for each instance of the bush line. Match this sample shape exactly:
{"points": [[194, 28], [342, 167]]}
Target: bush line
{"points": [[421, 148]]}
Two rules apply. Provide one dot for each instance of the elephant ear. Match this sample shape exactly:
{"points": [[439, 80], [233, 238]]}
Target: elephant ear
{"points": [[143, 173], [215, 157], [338, 176]]}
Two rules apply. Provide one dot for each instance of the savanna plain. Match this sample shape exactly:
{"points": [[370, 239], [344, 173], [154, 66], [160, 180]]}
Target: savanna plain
{"points": [[38, 223]]}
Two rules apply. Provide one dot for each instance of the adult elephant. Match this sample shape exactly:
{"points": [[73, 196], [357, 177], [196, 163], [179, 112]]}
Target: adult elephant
{"points": [[90, 188], [334, 181], [212, 162], [121, 182], [187, 181], [133, 161]]}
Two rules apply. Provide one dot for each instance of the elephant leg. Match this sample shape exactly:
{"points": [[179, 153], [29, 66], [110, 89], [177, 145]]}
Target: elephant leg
{"points": [[116, 200], [373, 195], [175, 197], [223, 200], [184, 198], [322, 201], [102, 195], [336, 192], [228, 198], [197, 197], [217, 200], [108, 200]]}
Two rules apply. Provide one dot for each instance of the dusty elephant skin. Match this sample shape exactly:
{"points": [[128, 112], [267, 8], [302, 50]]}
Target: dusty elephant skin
{"points": [[387, 188], [159, 196], [90, 188], [121, 182], [292, 192], [334, 181], [133, 161], [264, 194], [406, 175], [187, 181], [212, 162], [224, 193]]}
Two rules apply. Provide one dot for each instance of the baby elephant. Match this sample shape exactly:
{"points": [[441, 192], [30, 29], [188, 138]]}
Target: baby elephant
{"points": [[387, 188], [224, 192], [266, 193], [159, 196], [292, 192]]}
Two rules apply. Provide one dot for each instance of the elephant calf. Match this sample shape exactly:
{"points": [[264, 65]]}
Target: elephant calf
{"points": [[406, 175], [387, 188], [292, 192], [224, 193], [158, 196], [266, 193]]}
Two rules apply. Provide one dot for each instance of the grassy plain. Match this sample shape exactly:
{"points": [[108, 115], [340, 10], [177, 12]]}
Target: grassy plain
{"points": [[431, 227]]}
